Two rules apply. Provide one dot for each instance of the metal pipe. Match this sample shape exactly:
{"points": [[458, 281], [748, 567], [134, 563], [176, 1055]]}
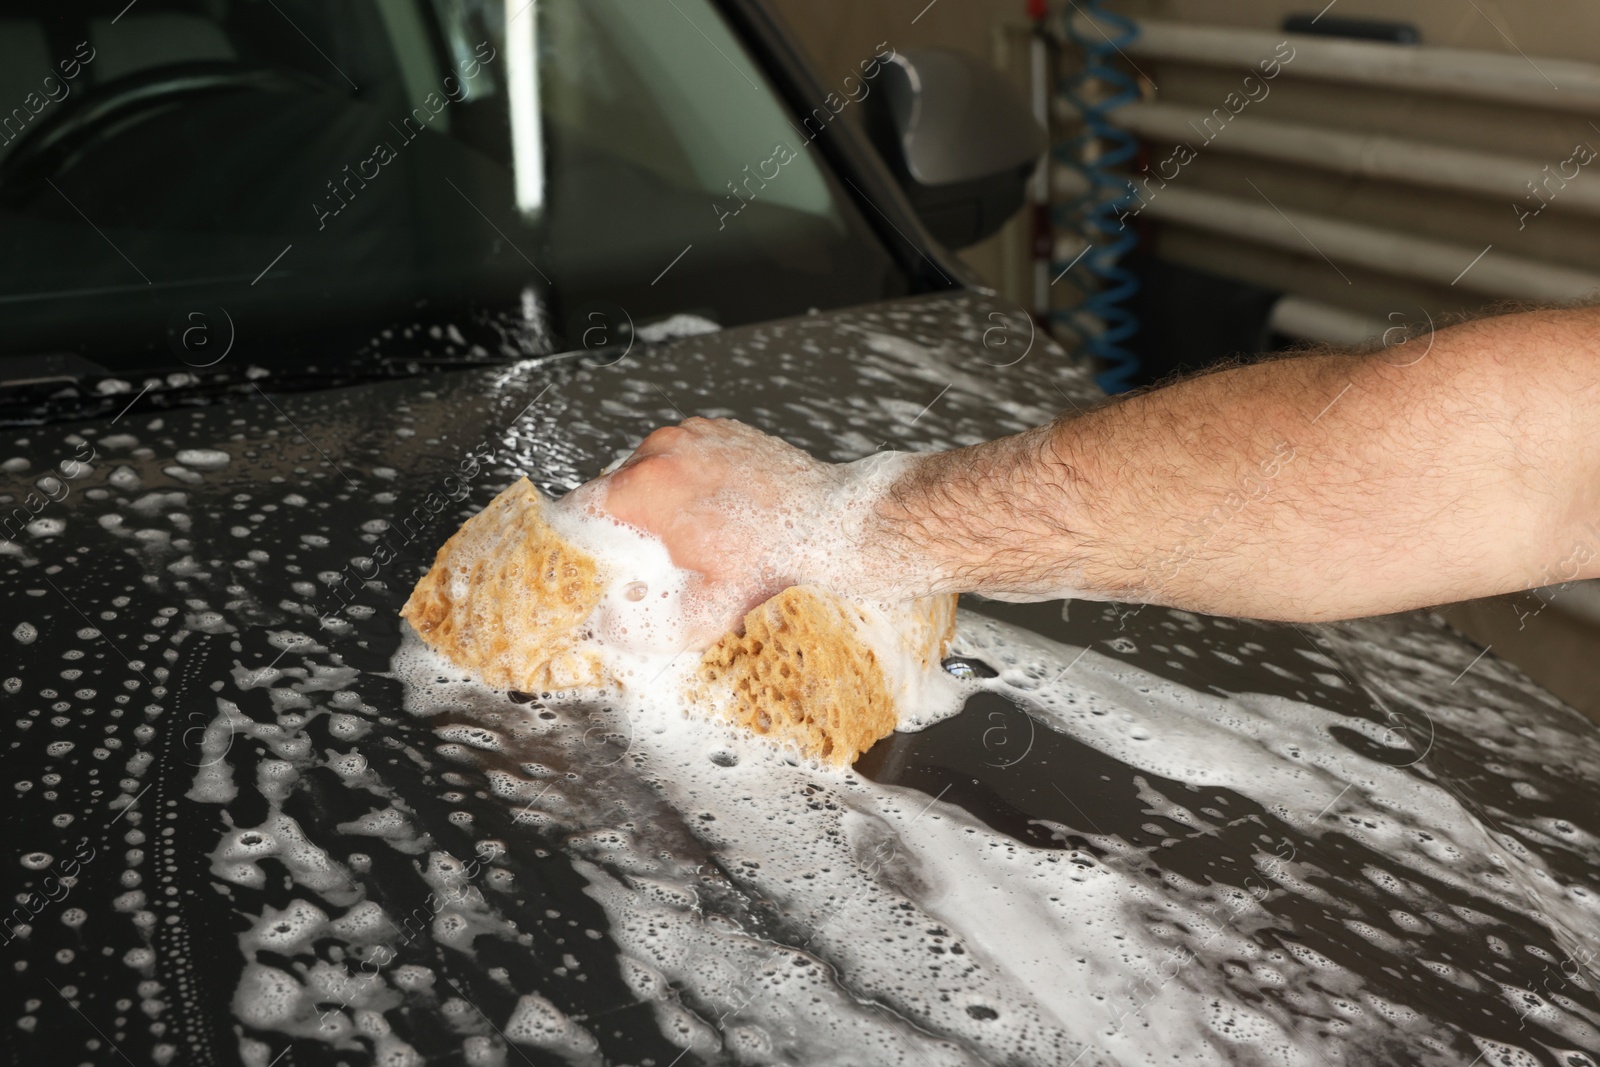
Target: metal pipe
{"points": [[1554, 84], [1376, 249], [1365, 155], [1312, 320]]}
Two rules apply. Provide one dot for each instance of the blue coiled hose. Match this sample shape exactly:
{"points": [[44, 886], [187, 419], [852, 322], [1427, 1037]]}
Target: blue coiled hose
{"points": [[1095, 153]]}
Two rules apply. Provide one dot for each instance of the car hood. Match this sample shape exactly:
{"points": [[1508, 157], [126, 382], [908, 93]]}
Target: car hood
{"points": [[251, 814]]}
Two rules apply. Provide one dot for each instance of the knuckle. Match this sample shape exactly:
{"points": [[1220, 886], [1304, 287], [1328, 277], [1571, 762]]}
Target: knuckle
{"points": [[666, 435]]}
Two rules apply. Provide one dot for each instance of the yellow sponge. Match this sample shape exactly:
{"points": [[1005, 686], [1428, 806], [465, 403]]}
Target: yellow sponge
{"points": [[510, 600], [507, 598]]}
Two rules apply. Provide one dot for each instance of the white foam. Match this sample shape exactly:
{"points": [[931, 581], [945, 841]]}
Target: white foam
{"points": [[988, 949], [641, 614], [535, 1021], [645, 625], [204, 459], [676, 326], [846, 857]]}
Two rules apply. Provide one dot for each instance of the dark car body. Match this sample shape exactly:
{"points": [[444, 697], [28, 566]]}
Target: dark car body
{"points": [[202, 662], [252, 823]]}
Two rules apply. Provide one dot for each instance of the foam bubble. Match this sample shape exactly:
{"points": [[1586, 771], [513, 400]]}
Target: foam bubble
{"points": [[204, 459], [535, 1021], [642, 612]]}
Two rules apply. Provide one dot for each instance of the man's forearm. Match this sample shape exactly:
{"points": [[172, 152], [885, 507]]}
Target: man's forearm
{"points": [[1315, 487]]}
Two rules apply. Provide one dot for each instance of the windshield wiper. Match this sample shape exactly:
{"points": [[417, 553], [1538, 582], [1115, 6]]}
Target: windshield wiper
{"points": [[57, 388], [68, 368]]}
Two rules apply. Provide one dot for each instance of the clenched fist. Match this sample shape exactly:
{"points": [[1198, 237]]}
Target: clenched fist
{"points": [[747, 514]]}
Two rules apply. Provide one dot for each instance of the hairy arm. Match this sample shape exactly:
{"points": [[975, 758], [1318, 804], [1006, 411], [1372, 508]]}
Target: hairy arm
{"points": [[1315, 487]]}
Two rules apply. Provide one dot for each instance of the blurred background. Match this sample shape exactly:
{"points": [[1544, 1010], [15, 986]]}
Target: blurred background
{"points": [[1394, 165]]}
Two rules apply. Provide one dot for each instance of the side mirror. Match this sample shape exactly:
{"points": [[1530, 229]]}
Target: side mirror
{"points": [[961, 143]]}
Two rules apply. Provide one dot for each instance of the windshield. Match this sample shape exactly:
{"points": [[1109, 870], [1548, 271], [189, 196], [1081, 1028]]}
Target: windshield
{"points": [[291, 177]]}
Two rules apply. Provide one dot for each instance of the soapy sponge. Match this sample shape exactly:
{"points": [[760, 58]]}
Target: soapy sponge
{"points": [[507, 599], [511, 601], [811, 669]]}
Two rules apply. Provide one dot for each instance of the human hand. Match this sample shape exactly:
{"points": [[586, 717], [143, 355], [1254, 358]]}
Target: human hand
{"points": [[737, 508]]}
